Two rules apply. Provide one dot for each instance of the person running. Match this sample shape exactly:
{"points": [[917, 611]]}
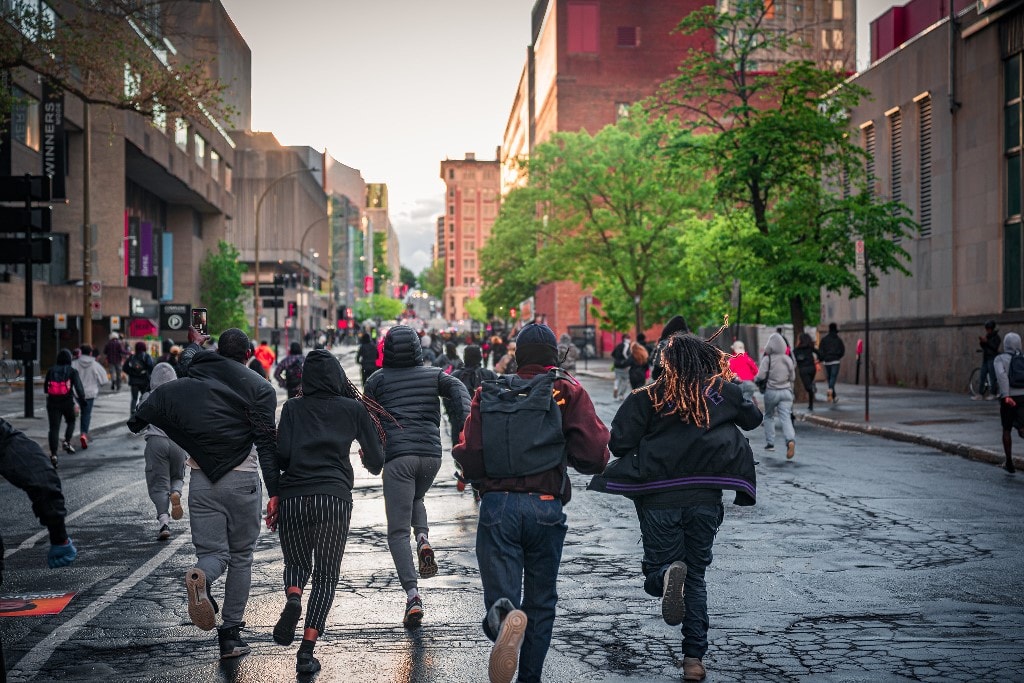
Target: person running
{"points": [[254, 363], [678, 444], [165, 463], [806, 357], [522, 525], [223, 415], [115, 354], [62, 386], [138, 367], [1009, 368], [780, 371], [745, 370], [93, 377], [289, 371], [473, 372], [366, 357], [408, 391], [831, 350], [266, 356], [313, 507]]}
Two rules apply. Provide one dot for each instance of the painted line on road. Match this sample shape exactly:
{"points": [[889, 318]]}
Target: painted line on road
{"points": [[35, 538], [29, 665]]}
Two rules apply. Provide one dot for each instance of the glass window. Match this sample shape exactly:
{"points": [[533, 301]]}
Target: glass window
{"points": [[1013, 185], [627, 36], [582, 27], [837, 10], [214, 164], [25, 119], [181, 134], [200, 149], [1012, 75], [227, 177], [1013, 264], [1012, 126]]}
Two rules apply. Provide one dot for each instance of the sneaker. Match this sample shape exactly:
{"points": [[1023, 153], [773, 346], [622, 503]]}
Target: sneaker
{"points": [[828, 396], [693, 669], [200, 607], [505, 654], [53, 460], [284, 630], [428, 566], [84, 440], [672, 608], [306, 663], [413, 613], [977, 397], [176, 511], [66, 445], [231, 643], [835, 398], [790, 449], [769, 447], [164, 533], [1009, 467]]}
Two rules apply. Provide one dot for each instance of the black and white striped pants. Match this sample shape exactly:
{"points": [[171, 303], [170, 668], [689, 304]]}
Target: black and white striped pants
{"points": [[314, 530]]}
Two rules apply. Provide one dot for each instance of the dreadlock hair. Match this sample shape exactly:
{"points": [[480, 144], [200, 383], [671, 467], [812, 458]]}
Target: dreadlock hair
{"points": [[690, 366], [377, 412]]}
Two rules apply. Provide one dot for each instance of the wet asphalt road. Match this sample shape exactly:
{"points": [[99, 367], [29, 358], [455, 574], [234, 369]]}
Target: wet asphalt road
{"points": [[864, 560]]}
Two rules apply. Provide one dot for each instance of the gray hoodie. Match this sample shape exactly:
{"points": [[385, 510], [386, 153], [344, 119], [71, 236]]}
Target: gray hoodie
{"points": [[1011, 346], [162, 374], [92, 373], [776, 365]]}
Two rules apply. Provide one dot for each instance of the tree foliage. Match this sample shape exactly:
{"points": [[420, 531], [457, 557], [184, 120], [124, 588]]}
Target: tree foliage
{"points": [[431, 279], [378, 307], [476, 309], [220, 276], [407, 277]]}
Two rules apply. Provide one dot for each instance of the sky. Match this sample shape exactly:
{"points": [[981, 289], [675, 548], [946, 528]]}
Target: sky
{"points": [[393, 87]]}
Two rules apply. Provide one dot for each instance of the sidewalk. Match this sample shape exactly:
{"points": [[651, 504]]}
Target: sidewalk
{"points": [[945, 421]]}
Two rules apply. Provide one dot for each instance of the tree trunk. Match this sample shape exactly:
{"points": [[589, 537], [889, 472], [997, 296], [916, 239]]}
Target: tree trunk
{"points": [[796, 314]]}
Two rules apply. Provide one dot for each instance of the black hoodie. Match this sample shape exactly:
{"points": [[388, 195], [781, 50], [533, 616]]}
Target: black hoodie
{"points": [[315, 435]]}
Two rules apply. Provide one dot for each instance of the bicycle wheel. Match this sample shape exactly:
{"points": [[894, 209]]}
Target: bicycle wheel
{"points": [[974, 384]]}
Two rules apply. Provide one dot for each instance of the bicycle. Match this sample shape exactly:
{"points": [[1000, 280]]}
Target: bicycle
{"points": [[975, 386]]}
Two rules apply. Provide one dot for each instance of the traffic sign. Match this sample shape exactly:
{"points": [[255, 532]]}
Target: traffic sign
{"points": [[96, 289], [60, 321], [22, 188], [115, 322], [96, 305], [25, 339], [175, 317], [20, 219]]}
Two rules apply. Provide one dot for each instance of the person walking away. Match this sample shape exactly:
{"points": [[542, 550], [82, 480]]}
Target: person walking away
{"points": [[366, 357], [314, 501], [989, 344], [138, 367], [678, 444], [254, 363], [831, 350], [289, 371], [525, 485], [507, 365], [217, 412], [449, 360], [265, 355], [115, 354], [806, 357], [1009, 369], [62, 386], [165, 463], [408, 391], [620, 366], [568, 353], [744, 368], [498, 350], [93, 377], [638, 368], [780, 371]]}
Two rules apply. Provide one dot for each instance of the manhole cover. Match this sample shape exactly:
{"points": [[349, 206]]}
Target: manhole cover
{"points": [[954, 421]]}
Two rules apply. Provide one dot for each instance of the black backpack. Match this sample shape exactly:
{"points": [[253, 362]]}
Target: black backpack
{"points": [[293, 375], [1015, 371], [137, 366], [521, 425]]}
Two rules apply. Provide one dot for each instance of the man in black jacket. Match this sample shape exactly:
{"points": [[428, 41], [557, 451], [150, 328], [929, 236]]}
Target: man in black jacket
{"points": [[409, 390], [831, 350], [217, 412]]}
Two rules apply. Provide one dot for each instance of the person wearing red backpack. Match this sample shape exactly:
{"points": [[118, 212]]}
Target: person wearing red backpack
{"points": [[63, 386]]}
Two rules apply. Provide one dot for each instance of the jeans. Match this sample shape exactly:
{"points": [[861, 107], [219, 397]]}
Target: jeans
{"points": [[832, 374], [87, 414], [225, 519], [682, 534], [54, 412], [988, 377], [406, 481], [519, 547], [778, 403]]}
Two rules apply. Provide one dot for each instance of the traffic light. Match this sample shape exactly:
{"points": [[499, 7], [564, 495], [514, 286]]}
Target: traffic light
{"points": [[368, 284], [512, 313], [291, 309]]}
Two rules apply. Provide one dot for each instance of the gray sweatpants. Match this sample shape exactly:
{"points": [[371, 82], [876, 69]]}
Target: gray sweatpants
{"points": [[165, 471], [225, 519], [406, 481]]}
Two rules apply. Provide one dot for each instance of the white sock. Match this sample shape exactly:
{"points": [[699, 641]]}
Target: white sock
{"points": [[163, 519], [421, 539], [412, 593]]}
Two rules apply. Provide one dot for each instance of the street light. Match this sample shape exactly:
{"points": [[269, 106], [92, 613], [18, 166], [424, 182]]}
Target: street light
{"points": [[256, 246]]}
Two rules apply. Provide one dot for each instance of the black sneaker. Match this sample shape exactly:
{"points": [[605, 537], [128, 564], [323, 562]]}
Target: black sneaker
{"points": [[164, 533], [672, 607], [231, 643], [284, 630], [66, 445], [306, 663], [53, 460], [413, 613], [769, 447]]}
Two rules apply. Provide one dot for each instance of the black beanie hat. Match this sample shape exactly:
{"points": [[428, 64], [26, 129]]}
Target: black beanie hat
{"points": [[473, 356], [676, 324], [536, 345]]}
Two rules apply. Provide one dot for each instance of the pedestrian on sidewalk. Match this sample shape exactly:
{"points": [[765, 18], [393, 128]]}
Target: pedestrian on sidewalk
{"points": [[620, 366], [638, 365], [522, 527], [989, 343], [745, 370], [366, 357], [314, 504], [254, 363], [831, 350], [265, 355], [116, 354], [780, 371], [289, 371], [1009, 369], [568, 353], [806, 357], [678, 444], [63, 387], [408, 391], [507, 365], [138, 367], [165, 463], [93, 377], [223, 415]]}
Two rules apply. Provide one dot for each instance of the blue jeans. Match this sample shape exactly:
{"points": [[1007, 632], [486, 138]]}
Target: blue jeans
{"points": [[87, 414], [519, 547], [832, 374], [682, 534]]}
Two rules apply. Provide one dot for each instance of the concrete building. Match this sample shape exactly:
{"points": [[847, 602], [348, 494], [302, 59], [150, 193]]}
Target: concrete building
{"points": [[943, 135], [380, 231], [825, 32], [472, 192]]}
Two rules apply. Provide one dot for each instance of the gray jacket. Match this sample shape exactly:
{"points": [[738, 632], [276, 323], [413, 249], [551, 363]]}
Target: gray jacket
{"points": [[776, 365], [1011, 345]]}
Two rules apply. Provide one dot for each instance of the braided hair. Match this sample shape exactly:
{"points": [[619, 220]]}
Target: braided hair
{"points": [[377, 412], [690, 366]]}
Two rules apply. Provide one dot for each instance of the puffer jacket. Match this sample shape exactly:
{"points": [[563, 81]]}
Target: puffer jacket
{"points": [[776, 365], [409, 391]]}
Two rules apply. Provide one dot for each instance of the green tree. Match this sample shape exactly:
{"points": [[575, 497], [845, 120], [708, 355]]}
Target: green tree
{"points": [[220, 275], [378, 307], [781, 153], [407, 277], [476, 310], [510, 266], [431, 279], [381, 272]]}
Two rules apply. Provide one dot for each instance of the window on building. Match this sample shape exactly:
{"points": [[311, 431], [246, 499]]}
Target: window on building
{"points": [[451, 282], [181, 134], [469, 209], [214, 164], [769, 9], [868, 132], [200, 149], [469, 245], [451, 192], [25, 119], [896, 156], [837, 10], [924, 190], [227, 177], [582, 27], [621, 110], [451, 209], [451, 245], [627, 36], [451, 174], [1013, 239]]}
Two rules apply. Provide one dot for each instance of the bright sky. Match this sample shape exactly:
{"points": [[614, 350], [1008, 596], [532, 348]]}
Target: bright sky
{"points": [[395, 86]]}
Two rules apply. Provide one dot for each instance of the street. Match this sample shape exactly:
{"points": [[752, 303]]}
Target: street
{"points": [[864, 560]]}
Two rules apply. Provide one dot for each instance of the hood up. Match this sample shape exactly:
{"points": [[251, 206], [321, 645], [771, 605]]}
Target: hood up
{"points": [[322, 374]]}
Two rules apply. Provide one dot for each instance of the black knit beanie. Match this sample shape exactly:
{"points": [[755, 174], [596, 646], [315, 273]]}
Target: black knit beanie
{"points": [[536, 345], [676, 324]]}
